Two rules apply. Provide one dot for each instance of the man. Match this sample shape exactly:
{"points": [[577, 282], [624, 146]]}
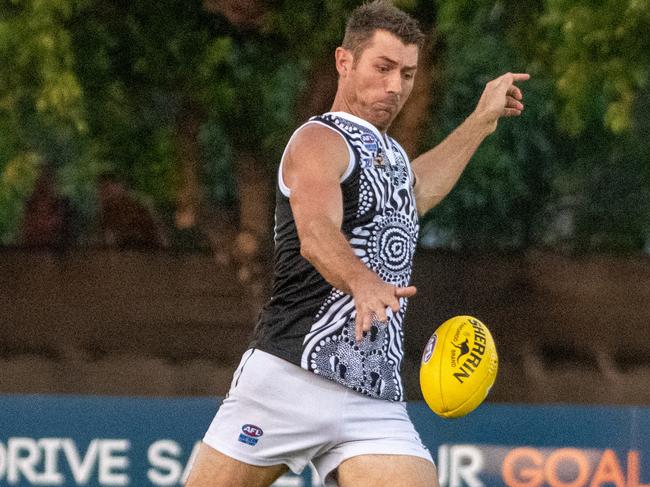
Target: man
{"points": [[321, 380]]}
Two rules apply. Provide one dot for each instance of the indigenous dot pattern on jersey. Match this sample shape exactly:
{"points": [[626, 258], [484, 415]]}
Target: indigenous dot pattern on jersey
{"points": [[384, 237]]}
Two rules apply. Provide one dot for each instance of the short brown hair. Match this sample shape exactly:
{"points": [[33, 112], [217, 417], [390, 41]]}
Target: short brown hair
{"points": [[379, 15]]}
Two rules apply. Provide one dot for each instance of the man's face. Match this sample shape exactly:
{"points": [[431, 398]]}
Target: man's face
{"points": [[378, 82]]}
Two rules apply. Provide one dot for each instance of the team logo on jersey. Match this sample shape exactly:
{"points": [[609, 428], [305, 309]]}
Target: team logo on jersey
{"points": [[370, 144], [250, 434]]}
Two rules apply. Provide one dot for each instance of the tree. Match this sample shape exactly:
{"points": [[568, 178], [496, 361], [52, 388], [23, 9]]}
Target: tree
{"points": [[500, 199], [193, 102], [599, 56], [42, 115], [554, 161]]}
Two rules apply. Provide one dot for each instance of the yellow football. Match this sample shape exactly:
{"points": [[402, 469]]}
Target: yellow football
{"points": [[459, 366]]}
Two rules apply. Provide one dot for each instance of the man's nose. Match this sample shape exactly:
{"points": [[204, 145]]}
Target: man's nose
{"points": [[394, 83]]}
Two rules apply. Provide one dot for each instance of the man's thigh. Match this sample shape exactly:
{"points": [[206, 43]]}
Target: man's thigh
{"points": [[387, 471], [214, 469]]}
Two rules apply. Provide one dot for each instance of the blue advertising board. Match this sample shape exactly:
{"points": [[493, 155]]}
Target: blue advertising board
{"points": [[108, 441]]}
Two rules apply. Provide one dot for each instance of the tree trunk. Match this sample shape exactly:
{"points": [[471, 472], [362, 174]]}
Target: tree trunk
{"points": [[254, 188], [244, 14], [320, 89], [189, 194], [252, 246]]}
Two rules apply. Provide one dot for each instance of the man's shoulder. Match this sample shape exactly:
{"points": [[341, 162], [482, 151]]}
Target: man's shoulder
{"points": [[316, 140], [314, 133]]}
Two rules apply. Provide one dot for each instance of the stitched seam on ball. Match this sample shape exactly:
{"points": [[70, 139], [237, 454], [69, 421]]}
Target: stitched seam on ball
{"points": [[443, 346]]}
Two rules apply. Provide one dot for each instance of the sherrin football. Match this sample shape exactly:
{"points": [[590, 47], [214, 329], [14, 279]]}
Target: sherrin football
{"points": [[459, 366]]}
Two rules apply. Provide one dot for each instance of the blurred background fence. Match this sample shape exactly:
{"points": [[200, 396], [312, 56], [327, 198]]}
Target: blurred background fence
{"points": [[145, 323]]}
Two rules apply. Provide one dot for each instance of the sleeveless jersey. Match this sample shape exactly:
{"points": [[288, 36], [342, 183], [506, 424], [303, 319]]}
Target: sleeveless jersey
{"points": [[309, 322]]}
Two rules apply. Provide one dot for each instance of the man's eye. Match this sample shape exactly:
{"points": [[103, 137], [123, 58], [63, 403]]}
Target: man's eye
{"points": [[408, 75], [383, 69]]}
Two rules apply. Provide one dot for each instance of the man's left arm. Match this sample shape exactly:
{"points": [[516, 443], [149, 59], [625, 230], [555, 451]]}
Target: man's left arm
{"points": [[438, 170]]}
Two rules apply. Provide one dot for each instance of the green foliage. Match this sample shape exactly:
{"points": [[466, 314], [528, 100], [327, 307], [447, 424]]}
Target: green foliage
{"points": [[106, 85], [42, 111], [570, 157], [499, 200], [310, 28], [258, 114], [599, 55], [35, 42], [614, 176], [146, 65], [217, 177], [17, 178]]}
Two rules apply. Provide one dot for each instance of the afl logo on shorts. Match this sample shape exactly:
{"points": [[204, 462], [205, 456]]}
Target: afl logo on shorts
{"points": [[250, 434]]}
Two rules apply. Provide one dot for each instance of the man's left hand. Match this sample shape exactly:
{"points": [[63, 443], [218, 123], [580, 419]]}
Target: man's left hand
{"points": [[501, 98]]}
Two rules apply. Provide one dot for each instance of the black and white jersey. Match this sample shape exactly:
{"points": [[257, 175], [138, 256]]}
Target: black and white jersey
{"points": [[309, 322]]}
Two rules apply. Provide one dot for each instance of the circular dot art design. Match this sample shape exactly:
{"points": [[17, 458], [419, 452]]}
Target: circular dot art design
{"points": [[391, 248]]}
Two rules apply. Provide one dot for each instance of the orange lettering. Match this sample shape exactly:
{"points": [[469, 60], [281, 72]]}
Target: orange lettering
{"points": [[633, 470], [522, 467], [574, 455], [608, 471]]}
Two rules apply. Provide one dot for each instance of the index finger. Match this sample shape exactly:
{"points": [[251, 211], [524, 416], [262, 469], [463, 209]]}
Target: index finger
{"points": [[405, 292], [509, 78], [520, 76]]}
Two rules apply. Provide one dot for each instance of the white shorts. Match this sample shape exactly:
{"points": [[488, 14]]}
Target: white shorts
{"points": [[278, 413]]}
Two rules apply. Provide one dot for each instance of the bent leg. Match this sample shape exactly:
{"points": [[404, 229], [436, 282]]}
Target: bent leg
{"points": [[212, 468], [387, 471]]}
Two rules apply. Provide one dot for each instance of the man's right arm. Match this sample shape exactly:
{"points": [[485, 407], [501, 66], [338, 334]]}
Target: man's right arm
{"points": [[438, 169], [315, 161]]}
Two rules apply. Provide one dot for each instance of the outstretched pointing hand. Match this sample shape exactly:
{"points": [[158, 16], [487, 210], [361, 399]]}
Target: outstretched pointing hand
{"points": [[501, 98]]}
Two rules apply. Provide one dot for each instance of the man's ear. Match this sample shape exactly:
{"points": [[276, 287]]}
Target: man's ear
{"points": [[344, 60]]}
